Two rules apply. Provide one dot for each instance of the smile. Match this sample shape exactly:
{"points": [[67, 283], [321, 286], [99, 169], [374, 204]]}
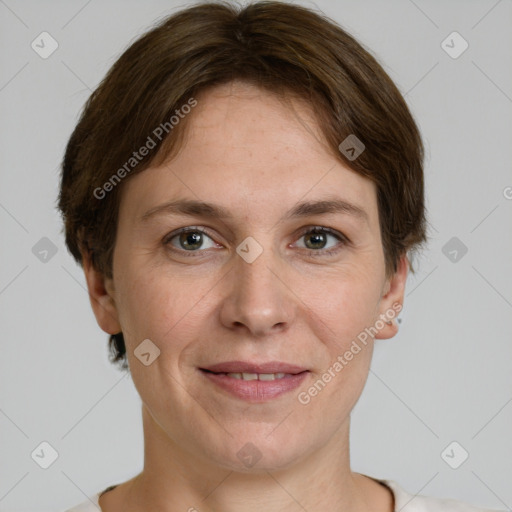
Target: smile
{"points": [[255, 387]]}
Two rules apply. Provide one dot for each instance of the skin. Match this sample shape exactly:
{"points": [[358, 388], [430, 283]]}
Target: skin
{"points": [[250, 153]]}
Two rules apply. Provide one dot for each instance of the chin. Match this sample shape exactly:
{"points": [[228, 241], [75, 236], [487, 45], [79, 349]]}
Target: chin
{"points": [[258, 453]]}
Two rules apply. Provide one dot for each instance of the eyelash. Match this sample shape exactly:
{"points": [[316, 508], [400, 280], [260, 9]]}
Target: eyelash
{"points": [[312, 230]]}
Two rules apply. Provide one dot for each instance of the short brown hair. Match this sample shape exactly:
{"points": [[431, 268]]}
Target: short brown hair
{"points": [[286, 49]]}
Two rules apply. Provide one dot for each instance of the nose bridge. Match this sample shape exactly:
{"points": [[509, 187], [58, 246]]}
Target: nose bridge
{"points": [[253, 265], [258, 297]]}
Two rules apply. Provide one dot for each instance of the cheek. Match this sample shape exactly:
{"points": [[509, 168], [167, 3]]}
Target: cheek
{"points": [[342, 316], [343, 304], [160, 307]]}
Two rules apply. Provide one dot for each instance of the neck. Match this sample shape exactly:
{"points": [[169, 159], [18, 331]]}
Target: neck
{"points": [[176, 479]]}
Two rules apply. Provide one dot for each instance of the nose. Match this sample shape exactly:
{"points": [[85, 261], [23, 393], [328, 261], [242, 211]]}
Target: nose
{"points": [[258, 299]]}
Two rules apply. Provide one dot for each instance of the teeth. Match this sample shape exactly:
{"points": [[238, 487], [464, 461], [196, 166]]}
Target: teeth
{"points": [[256, 376], [271, 376]]}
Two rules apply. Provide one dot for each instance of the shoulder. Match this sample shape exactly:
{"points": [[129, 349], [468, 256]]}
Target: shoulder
{"points": [[406, 502]]}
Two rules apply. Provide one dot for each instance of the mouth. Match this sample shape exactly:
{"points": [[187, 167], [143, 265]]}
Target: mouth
{"points": [[271, 367], [255, 386], [255, 376]]}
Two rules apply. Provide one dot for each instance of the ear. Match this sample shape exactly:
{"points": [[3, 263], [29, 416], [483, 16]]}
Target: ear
{"points": [[101, 295], [392, 300]]}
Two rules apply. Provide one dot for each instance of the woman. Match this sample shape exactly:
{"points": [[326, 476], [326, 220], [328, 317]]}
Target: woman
{"points": [[243, 191]]}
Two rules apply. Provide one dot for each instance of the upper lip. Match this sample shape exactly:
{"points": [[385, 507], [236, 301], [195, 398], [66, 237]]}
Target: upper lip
{"points": [[247, 367]]}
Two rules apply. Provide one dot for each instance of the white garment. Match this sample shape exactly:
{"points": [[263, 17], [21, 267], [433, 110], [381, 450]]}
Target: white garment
{"points": [[404, 502]]}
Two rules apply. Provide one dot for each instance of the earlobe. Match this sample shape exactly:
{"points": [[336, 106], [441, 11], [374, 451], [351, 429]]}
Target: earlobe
{"points": [[101, 296], [392, 300]]}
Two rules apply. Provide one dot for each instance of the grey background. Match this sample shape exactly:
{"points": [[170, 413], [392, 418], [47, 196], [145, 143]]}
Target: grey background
{"points": [[445, 377]]}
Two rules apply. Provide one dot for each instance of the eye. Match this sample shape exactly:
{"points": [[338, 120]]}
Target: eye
{"points": [[316, 241], [188, 240]]}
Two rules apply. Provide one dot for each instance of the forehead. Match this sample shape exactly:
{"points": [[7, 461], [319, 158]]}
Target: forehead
{"points": [[246, 150], [240, 117]]}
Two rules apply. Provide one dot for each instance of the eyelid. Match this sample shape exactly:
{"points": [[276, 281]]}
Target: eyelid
{"points": [[323, 229]]}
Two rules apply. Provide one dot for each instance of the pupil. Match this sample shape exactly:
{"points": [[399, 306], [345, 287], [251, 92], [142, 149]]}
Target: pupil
{"points": [[319, 237], [191, 240]]}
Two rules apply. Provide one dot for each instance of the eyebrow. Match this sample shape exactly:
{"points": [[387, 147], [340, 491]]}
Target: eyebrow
{"points": [[305, 209]]}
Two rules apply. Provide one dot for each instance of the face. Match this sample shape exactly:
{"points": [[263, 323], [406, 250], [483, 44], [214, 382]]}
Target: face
{"points": [[265, 281]]}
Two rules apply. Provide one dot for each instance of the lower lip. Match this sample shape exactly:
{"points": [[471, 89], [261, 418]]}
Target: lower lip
{"points": [[256, 390]]}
